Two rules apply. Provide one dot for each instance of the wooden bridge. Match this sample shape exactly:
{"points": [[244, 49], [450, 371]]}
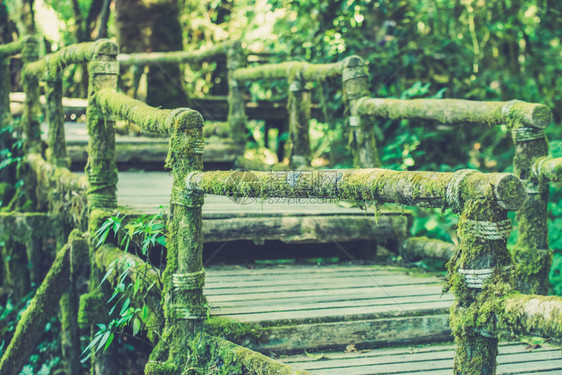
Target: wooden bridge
{"points": [[352, 308]]}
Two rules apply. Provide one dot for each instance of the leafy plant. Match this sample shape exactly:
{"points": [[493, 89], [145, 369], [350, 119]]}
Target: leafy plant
{"points": [[144, 233]]}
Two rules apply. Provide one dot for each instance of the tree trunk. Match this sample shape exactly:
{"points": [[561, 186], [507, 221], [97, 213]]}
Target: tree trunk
{"points": [[153, 26]]}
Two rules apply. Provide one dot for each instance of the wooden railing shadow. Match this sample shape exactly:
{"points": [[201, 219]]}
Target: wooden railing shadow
{"points": [[480, 272]]}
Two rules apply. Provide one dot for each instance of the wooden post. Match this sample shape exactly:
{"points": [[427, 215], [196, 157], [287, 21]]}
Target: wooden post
{"points": [[298, 103], [101, 168], [101, 171], [31, 109], [236, 108], [355, 81], [55, 117], [479, 271], [531, 254], [185, 306]]}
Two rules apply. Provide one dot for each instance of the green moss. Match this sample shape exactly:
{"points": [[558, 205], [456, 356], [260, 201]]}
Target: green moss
{"points": [[92, 308], [232, 330], [175, 57], [10, 49]]}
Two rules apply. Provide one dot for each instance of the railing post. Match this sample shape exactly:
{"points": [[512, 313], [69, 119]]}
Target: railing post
{"points": [[355, 81], [236, 108], [31, 109], [478, 272], [55, 117], [5, 114], [298, 103], [185, 306], [531, 254], [101, 168]]}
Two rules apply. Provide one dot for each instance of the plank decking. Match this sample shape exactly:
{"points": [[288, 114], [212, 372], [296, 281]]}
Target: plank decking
{"points": [[301, 307], [513, 358]]}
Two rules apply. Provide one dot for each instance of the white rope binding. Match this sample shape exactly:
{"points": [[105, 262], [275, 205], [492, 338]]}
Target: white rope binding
{"points": [[452, 189], [475, 279], [489, 230]]}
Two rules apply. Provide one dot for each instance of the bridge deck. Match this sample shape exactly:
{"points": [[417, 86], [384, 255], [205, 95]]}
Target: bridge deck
{"points": [[513, 358], [307, 307]]}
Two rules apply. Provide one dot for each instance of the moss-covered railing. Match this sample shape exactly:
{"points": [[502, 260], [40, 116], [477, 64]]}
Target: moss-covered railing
{"points": [[235, 57], [526, 122], [298, 76], [480, 270]]}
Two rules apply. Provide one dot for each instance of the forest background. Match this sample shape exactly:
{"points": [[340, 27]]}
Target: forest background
{"points": [[468, 49]]}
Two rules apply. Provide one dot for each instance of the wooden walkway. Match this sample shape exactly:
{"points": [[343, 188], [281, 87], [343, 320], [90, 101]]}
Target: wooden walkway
{"points": [[302, 308], [513, 358], [299, 307], [142, 151], [229, 220]]}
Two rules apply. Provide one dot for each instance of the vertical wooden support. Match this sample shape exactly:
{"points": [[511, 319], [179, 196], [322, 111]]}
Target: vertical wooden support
{"points": [[298, 103], [185, 306], [236, 108], [5, 115], [531, 255], [355, 81], [101, 168], [101, 171], [55, 117], [31, 109], [479, 272], [6, 175]]}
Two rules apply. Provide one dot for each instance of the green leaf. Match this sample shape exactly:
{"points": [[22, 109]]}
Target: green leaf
{"points": [[125, 306], [136, 326], [103, 340], [109, 341]]}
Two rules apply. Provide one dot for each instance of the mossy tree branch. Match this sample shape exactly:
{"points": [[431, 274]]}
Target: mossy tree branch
{"points": [[309, 72], [532, 315], [12, 48], [549, 169], [178, 57], [423, 189], [41, 308], [453, 111]]}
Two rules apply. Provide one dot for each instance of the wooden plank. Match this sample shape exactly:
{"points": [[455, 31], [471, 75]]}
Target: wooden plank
{"points": [[354, 280], [285, 307], [504, 348], [374, 332], [513, 358], [369, 312], [358, 292], [373, 283]]}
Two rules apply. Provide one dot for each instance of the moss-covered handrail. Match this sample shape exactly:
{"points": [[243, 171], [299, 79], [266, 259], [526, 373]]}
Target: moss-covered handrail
{"points": [[454, 111], [126, 108], [423, 189], [10, 49], [532, 315], [287, 70], [549, 169], [177, 57], [80, 53]]}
